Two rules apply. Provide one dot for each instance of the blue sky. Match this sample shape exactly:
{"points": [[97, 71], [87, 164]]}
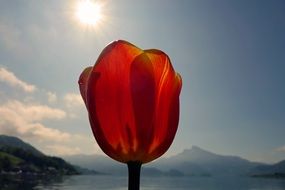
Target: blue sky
{"points": [[231, 55]]}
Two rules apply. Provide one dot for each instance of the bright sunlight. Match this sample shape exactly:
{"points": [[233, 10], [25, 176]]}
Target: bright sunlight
{"points": [[88, 13]]}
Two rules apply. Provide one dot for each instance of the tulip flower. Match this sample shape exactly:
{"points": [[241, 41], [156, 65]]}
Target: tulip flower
{"points": [[132, 98]]}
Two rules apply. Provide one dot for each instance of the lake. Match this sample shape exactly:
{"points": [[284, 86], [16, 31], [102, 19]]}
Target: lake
{"points": [[85, 182]]}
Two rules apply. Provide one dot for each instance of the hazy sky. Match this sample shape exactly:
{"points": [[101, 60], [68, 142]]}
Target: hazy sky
{"points": [[231, 55]]}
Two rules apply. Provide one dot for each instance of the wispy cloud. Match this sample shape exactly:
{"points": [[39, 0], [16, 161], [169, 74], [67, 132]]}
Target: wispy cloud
{"points": [[10, 78], [280, 149], [25, 120], [34, 112], [78, 144], [73, 100], [29, 117], [62, 150], [52, 98], [74, 104]]}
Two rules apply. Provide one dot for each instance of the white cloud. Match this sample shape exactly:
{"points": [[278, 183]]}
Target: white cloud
{"points": [[73, 100], [78, 144], [25, 120], [34, 112], [62, 150], [74, 104], [52, 98], [9, 78], [280, 149]]}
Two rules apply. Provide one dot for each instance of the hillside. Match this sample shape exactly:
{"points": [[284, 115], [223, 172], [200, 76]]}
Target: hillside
{"points": [[17, 143], [269, 170], [19, 157]]}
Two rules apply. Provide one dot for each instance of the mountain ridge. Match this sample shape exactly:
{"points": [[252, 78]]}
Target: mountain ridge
{"points": [[190, 162], [197, 161], [6, 140], [19, 157]]}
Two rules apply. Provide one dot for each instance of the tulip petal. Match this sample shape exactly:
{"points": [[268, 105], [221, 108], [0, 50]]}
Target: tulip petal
{"points": [[100, 137], [142, 84], [83, 80], [163, 140], [168, 86], [112, 106]]}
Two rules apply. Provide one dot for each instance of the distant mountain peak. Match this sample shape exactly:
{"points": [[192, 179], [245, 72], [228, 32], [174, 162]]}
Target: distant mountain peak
{"points": [[196, 151], [197, 148]]}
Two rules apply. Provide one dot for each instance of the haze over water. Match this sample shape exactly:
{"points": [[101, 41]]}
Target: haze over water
{"points": [[165, 183]]}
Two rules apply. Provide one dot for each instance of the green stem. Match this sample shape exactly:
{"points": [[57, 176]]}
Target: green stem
{"points": [[134, 169]]}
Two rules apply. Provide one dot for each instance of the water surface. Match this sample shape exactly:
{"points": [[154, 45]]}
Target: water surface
{"points": [[163, 183]]}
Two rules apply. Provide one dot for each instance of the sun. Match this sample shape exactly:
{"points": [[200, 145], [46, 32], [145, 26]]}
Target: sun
{"points": [[88, 13]]}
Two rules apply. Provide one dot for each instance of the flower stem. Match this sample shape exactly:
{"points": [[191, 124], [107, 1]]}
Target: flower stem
{"points": [[134, 169]]}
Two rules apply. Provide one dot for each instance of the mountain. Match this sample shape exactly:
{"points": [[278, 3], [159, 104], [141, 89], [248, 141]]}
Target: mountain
{"points": [[106, 165], [16, 156], [196, 161], [269, 170]]}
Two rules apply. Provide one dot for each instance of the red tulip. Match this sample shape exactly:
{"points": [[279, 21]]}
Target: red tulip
{"points": [[132, 97]]}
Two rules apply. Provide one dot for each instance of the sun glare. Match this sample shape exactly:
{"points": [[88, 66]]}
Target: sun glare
{"points": [[88, 12]]}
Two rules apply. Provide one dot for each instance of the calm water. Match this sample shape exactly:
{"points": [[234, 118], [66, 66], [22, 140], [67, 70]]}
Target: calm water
{"points": [[165, 183]]}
